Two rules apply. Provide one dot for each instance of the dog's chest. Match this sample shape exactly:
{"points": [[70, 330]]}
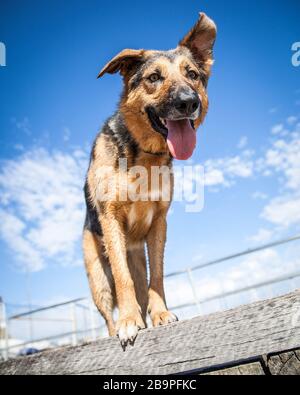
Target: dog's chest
{"points": [[139, 220], [151, 180], [147, 194]]}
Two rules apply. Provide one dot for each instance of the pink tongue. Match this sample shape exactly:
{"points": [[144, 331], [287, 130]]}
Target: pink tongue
{"points": [[181, 139]]}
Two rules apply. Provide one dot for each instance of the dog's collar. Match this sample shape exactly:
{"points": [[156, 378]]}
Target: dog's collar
{"points": [[155, 153]]}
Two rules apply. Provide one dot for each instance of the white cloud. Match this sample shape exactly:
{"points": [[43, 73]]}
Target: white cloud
{"points": [[42, 207], [258, 195], [11, 231], [283, 211], [276, 129], [292, 120], [224, 171], [214, 177], [262, 236], [282, 159]]}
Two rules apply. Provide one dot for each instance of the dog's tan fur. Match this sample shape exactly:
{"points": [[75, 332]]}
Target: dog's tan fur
{"points": [[115, 260]]}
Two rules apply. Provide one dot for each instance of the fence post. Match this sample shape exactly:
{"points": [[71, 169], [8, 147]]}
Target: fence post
{"points": [[191, 280], [222, 301], [74, 324], [4, 329], [92, 319]]}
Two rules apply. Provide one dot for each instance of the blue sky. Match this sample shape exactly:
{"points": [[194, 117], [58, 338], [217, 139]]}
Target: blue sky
{"points": [[52, 106]]}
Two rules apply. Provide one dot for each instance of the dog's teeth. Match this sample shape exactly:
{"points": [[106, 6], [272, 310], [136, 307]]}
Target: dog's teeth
{"points": [[163, 121]]}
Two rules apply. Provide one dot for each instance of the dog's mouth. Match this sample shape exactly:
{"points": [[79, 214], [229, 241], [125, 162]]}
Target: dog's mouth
{"points": [[180, 134]]}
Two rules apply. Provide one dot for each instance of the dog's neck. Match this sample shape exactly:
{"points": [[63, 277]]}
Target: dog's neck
{"points": [[148, 141], [158, 154]]}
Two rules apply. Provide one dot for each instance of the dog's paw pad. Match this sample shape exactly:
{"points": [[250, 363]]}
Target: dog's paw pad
{"points": [[127, 330], [163, 318]]}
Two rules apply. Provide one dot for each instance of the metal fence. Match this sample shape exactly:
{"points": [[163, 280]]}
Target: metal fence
{"points": [[77, 321]]}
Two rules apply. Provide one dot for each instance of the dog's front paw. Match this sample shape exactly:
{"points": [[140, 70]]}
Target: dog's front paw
{"points": [[163, 318], [127, 328]]}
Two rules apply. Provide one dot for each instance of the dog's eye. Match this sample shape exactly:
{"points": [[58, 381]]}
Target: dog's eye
{"points": [[193, 75], [154, 77]]}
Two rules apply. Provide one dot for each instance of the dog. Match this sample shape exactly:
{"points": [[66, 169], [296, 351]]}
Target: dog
{"points": [[163, 103]]}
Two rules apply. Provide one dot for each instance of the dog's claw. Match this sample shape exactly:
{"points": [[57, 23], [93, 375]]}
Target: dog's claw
{"points": [[163, 318], [128, 329]]}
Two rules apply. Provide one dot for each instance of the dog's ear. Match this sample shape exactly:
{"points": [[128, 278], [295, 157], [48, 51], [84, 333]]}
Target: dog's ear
{"points": [[200, 40], [123, 62]]}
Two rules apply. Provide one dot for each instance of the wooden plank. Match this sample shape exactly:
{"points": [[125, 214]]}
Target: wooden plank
{"points": [[204, 342], [250, 369], [284, 364]]}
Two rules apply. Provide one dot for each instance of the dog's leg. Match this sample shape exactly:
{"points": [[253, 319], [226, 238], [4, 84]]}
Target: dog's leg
{"points": [[100, 278], [138, 269], [156, 240], [130, 319]]}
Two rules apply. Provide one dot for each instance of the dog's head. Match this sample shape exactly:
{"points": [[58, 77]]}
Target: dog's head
{"points": [[165, 99]]}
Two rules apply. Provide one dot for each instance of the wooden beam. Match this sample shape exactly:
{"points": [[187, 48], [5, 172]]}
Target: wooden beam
{"points": [[284, 364], [249, 369], [248, 334]]}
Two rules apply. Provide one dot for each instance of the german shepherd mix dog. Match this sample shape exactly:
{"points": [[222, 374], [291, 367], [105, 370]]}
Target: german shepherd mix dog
{"points": [[163, 103]]}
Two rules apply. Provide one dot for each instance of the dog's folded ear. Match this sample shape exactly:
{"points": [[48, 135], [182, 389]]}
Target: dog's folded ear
{"points": [[200, 40], [123, 62]]}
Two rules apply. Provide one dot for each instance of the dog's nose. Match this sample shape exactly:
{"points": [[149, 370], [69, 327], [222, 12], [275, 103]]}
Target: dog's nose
{"points": [[187, 104]]}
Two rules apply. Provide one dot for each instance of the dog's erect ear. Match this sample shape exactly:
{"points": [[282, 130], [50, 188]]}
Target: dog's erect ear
{"points": [[200, 40], [123, 62]]}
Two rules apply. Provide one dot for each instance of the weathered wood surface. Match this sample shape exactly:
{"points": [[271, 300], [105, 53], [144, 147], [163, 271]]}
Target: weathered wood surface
{"points": [[244, 334], [281, 364]]}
